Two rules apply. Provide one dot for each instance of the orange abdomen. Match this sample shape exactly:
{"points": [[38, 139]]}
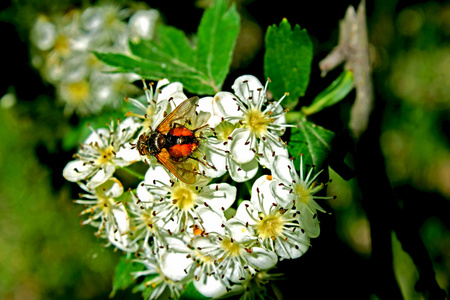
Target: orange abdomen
{"points": [[181, 131], [182, 150]]}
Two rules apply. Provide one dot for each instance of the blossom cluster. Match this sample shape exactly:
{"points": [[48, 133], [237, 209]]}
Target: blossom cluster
{"points": [[62, 45], [203, 232]]}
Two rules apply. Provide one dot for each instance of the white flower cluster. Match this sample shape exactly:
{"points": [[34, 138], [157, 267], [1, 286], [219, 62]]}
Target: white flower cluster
{"points": [[62, 45], [201, 232]]}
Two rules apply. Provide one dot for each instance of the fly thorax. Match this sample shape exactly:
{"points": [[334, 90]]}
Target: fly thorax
{"points": [[156, 142]]}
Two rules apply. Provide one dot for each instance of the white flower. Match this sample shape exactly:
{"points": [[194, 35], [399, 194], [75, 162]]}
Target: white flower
{"points": [[237, 252], [106, 213], [142, 24], [103, 151], [162, 286], [209, 280], [147, 227], [152, 109], [106, 27], [217, 152], [261, 122], [43, 33], [178, 201], [300, 190], [273, 220]]}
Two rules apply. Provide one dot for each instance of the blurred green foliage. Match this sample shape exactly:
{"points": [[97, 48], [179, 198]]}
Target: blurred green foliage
{"points": [[46, 254]]}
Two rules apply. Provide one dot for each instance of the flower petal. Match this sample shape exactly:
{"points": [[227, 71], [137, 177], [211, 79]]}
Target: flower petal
{"points": [[308, 223], [247, 213], [173, 264], [119, 236], [214, 157], [101, 176], [282, 193], [262, 198], [242, 172], [283, 169], [143, 193], [247, 87], [210, 286], [298, 245], [270, 150], [225, 105], [111, 188], [77, 170], [262, 259], [219, 196], [239, 231], [212, 221], [242, 146]]}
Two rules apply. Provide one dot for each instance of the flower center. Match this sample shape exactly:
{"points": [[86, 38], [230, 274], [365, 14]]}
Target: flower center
{"points": [[105, 155], [183, 198], [105, 203], [270, 226], [77, 92], [147, 219], [231, 247], [303, 193], [62, 45], [224, 130], [257, 121]]}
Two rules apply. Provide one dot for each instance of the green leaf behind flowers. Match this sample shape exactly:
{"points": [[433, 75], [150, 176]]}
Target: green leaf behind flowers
{"points": [[311, 140], [287, 61], [122, 277], [191, 293], [201, 66]]}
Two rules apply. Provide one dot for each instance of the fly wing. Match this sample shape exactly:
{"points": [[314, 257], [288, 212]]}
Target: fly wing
{"points": [[181, 114], [185, 170]]}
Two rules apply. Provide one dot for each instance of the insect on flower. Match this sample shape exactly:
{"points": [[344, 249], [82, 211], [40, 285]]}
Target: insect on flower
{"points": [[173, 144]]}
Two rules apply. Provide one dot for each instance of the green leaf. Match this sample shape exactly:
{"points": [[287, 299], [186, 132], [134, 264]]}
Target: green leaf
{"points": [[191, 293], [217, 35], [287, 61], [122, 278], [201, 67], [311, 140], [334, 93], [142, 287]]}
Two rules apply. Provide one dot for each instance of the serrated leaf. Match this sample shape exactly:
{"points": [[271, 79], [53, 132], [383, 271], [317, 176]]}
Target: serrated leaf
{"points": [[201, 67], [311, 140], [122, 277], [334, 93], [287, 61]]}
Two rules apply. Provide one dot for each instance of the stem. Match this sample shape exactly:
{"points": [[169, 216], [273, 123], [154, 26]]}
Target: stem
{"points": [[132, 172]]}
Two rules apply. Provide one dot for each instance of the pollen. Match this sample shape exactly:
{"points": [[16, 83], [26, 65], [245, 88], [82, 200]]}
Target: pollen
{"points": [[257, 121], [197, 230], [270, 226]]}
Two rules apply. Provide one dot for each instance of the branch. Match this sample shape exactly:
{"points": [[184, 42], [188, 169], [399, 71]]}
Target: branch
{"points": [[353, 49]]}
